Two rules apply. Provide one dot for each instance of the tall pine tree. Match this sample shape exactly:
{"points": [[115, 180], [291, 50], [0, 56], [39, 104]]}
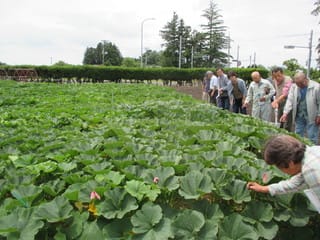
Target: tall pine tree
{"points": [[171, 34], [215, 37]]}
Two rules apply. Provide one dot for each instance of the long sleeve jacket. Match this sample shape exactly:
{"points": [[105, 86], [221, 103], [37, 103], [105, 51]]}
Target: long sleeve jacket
{"points": [[312, 98]]}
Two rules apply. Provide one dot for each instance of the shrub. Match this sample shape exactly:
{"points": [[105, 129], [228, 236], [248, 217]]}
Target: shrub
{"points": [[100, 73]]}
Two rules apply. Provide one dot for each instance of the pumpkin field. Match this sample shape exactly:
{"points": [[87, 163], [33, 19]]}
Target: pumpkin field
{"points": [[136, 161]]}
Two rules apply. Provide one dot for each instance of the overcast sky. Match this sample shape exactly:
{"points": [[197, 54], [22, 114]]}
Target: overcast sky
{"points": [[43, 31]]}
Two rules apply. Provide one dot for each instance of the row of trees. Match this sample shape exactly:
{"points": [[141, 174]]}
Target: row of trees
{"points": [[198, 49], [183, 46]]}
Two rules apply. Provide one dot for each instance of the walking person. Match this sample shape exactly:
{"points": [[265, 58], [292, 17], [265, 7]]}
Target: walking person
{"points": [[206, 87], [304, 102], [223, 99], [260, 93], [214, 87], [282, 85], [237, 91]]}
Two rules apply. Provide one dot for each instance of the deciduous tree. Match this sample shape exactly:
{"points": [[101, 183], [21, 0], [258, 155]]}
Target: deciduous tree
{"points": [[105, 53], [292, 65]]}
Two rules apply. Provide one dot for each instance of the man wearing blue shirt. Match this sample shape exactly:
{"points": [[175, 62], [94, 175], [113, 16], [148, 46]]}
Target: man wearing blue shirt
{"points": [[237, 92], [304, 102]]}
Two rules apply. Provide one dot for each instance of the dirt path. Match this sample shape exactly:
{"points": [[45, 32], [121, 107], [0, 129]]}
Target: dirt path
{"points": [[194, 91]]}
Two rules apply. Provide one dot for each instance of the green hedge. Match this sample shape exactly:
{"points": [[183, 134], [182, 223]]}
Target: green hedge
{"points": [[100, 73]]}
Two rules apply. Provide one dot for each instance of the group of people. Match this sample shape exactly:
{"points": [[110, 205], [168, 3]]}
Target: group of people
{"points": [[292, 104]]}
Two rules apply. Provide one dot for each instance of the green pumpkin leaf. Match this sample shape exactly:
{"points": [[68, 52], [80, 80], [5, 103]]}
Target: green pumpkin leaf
{"points": [[53, 188], [282, 215], [67, 166], [233, 228], [188, 224], [219, 177], [148, 223], [237, 191], [228, 149], [211, 211], [211, 155], [209, 230], [47, 167], [116, 204], [118, 229], [166, 176], [300, 213], [114, 177], [193, 184], [138, 189], [91, 230], [146, 218], [205, 135], [60, 236], [26, 194], [57, 210], [73, 230], [20, 224], [161, 231], [242, 130], [258, 212], [267, 230]]}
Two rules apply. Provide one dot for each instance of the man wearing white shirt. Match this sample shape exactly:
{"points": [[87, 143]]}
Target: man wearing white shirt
{"points": [[214, 86]]}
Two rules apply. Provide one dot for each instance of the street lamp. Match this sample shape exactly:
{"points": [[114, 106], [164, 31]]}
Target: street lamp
{"points": [[144, 20], [310, 51]]}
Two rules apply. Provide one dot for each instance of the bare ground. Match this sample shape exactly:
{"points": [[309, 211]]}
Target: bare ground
{"points": [[194, 91]]}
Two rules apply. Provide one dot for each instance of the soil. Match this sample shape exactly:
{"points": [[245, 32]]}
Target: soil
{"points": [[194, 91]]}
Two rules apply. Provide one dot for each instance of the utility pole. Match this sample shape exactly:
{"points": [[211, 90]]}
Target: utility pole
{"points": [[229, 48], [102, 52], [238, 50], [180, 50], [146, 57], [254, 58], [192, 56], [310, 54]]}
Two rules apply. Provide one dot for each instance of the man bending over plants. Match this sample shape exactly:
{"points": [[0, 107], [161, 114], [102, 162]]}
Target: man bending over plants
{"points": [[296, 159]]}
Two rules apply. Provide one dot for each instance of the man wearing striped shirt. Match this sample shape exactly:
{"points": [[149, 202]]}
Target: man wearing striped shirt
{"points": [[296, 159]]}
